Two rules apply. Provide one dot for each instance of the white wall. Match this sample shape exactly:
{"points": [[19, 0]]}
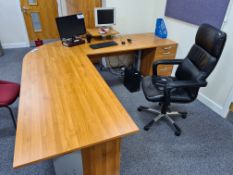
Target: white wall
{"points": [[133, 16], [12, 28], [62, 9], [220, 81]]}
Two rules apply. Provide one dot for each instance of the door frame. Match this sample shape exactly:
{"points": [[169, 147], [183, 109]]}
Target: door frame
{"points": [[29, 43]]}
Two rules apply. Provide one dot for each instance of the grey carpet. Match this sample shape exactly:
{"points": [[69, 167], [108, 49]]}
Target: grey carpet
{"points": [[205, 146], [10, 70]]}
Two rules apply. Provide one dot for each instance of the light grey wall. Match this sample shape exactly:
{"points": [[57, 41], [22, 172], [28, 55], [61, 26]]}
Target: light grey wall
{"points": [[134, 16], [13, 32], [62, 9], [104, 3]]}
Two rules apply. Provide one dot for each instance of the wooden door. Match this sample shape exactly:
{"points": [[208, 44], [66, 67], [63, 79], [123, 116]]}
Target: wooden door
{"points": [[86, 7], [40, 17]]}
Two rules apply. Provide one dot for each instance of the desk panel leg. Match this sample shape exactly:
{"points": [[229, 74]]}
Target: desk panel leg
{"points": [[147, 59], [102, 159]]}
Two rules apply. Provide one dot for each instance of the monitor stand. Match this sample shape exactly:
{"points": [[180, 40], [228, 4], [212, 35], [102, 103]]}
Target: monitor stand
{"points": [[94, 32]]}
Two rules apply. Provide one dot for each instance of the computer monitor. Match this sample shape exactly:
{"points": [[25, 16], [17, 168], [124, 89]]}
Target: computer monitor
{"points": [[105, 17], [71, 26]]}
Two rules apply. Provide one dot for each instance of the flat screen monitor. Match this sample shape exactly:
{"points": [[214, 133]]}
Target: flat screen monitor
{"points": [[71, 26], [105, 17]]}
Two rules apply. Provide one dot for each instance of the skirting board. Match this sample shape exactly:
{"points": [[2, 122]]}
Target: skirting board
{"points": [[14, 45], [212, 105]]}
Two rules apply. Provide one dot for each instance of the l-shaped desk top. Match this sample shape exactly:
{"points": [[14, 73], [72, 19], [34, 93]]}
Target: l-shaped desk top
{"points": [[65, 105]]}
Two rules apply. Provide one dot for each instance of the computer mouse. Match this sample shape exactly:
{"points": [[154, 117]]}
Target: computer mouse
{"points": [[129, 40]]}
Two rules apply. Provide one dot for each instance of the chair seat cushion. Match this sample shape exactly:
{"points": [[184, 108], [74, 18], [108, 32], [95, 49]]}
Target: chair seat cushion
{"points": [[156, 94], [8, 92]]}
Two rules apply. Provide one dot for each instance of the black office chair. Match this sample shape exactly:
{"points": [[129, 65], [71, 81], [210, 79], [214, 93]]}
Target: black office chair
{"points": [[190, 75]]}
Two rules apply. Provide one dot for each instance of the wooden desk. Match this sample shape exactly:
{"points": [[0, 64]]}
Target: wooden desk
{"points": [[153, 48], [65, 105]]}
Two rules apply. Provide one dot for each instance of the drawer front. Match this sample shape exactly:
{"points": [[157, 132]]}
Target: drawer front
{"points": [[164, 70], [149, 56], [166, 52]]}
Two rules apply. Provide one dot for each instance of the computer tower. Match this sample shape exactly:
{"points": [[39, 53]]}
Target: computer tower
{"points": [[132, 79]]}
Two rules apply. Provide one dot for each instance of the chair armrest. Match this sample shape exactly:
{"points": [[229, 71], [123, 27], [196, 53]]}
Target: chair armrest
{"points": [[185, 84], [168, 86], [157, 63]]}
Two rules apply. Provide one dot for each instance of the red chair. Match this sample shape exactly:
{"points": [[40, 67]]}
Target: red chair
{"points": [[9, 92]]}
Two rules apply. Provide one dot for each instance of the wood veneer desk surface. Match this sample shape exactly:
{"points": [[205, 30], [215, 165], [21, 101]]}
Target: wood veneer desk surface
{"points": [[65, 105], [139, 42]]}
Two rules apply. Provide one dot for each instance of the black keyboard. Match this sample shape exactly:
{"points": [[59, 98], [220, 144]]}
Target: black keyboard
{"points": [[102, 45]]}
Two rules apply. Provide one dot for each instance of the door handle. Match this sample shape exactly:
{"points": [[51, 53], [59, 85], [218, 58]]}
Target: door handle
{"points": [[25, 9]]}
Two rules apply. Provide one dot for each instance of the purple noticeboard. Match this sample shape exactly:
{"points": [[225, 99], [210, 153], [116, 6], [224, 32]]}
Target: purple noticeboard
{"points": [[198, 11]]}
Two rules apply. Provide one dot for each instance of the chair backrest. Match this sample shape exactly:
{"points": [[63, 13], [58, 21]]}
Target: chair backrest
{"points": [[203, 56]]}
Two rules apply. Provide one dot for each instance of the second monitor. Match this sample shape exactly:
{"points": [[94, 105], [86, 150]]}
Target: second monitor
{"points": [[105, 17]]}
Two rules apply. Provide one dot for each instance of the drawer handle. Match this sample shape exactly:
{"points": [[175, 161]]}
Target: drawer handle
{"points": [[166, 53], [167, 48]]}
